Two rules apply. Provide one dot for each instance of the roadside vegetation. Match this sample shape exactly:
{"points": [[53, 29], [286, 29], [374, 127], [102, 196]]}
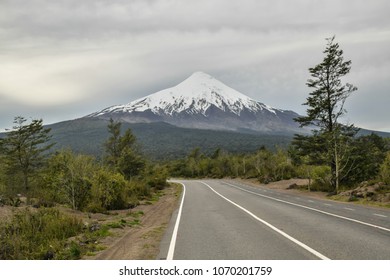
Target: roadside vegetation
{"points": [[37, 184], [370, 165]]}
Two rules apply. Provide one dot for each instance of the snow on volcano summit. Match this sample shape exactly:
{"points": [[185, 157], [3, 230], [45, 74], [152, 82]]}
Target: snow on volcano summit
{"points": [[203, 102], [194, 95]]}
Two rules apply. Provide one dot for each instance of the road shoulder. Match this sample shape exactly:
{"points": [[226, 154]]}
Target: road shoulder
{"points": [[142, 242]]}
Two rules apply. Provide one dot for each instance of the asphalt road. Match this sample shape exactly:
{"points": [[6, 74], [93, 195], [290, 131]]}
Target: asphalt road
{"points": [[224, 219]]}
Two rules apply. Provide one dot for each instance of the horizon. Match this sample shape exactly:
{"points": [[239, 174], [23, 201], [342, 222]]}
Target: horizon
{"points": [[196, 72]]}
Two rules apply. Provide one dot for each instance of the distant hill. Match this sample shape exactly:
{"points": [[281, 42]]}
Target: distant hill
{"points": [[163, 141], [363, 132], [160, 140]]}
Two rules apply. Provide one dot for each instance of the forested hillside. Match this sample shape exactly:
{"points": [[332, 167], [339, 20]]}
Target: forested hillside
{"points": [[161, 141]]}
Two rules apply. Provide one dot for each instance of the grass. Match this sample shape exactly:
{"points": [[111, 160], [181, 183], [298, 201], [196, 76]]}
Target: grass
{"points": [[39, 234], [47, 233], [121, 224], [135, 222], [154, 197], [135, 214]]}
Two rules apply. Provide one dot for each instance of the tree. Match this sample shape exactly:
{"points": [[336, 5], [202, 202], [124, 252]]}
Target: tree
{"points": [[24, 148], [121, 151], [326, 106], [112, 144], [369, 152], [69, 178]]}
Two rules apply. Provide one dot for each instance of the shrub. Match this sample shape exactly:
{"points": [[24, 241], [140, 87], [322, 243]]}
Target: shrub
{"points": [[322, 177], [68, 178], [39, 234], [384, 173], [108, 190]]}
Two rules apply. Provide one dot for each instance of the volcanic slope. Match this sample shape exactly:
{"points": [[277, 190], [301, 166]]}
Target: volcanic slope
{"points": [[203, 102]]}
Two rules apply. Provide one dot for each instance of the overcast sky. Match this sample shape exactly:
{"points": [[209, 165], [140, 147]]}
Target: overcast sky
{"points": [[64, 59]]}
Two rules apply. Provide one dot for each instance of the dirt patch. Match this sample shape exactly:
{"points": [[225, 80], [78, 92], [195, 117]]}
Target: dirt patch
{"points": [[6, 212], [141, 242], [369, 192]]}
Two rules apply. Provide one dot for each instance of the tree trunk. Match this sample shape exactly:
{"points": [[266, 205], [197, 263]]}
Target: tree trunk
{"points": [[337, 168], [25, 180]]}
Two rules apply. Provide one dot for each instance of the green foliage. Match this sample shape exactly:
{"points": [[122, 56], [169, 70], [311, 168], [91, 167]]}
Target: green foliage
{"points": [[156, 176], [264, 165], [68, 178], [122, 153], [384, 173], [321, 178], [310, 148], [79, 181], [37, 234], [283, 168], [88, 135], [24, 149], [108, 190], [137, 190], [326, 101], [112, 144], [74, 251], [325, 107], [130, 163], [367, 154], [3, 188]]}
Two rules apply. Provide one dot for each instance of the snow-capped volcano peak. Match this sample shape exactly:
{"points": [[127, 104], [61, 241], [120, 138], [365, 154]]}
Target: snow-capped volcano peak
{"points": [[195, 95], [201, 101]]}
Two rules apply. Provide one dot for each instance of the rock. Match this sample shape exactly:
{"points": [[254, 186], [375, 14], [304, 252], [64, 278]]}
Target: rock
{"points": [[373, 192], [94, 227], [49, 255], [346, 193], [292, 186]]}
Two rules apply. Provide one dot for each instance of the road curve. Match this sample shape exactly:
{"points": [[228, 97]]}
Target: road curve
{"points": [[224, 219]]}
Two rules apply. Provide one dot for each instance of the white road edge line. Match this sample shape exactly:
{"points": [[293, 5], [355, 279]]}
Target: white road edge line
{"points": [[172, 245], [380, 215], [299, 243], [310, 208]]}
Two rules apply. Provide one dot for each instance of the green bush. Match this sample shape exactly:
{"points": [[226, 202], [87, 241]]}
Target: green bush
{"points": [[108, 190], [384, 173], [68, 179], [37, 234], [138, 189], [95, 207], [322, 178]]}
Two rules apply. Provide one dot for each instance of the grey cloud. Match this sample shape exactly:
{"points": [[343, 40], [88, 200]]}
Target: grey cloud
{"points": [[90, 19], [93, 54]]}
